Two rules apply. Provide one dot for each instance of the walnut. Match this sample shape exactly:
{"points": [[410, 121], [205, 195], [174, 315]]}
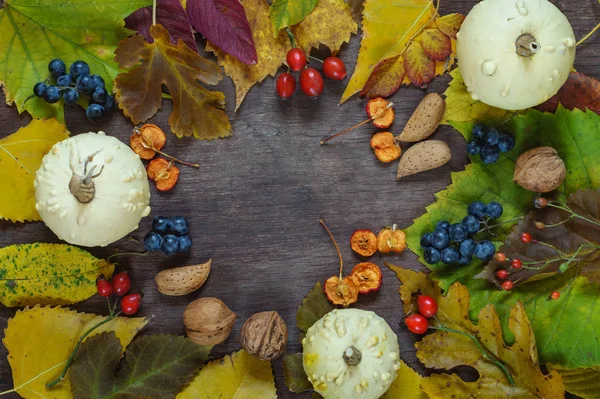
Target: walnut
{"points": [[264, 335], [208, 321], [540, 170]]}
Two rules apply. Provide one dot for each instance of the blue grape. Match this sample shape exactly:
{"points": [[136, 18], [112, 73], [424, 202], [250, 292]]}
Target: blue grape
{"points": [[467, 247], [179, 225], [477, 209], [52, 94], [161, 224], [185, 243], [490, 138], [56, 68], [109, 104], [442, 225], [493, 210], [472, 224], [431, 255], [506, 142], [71, 96], [153, 241], [464, 260], [170, 244], [450, 255], [458, 232], [99, 95], [64, 80], [473, 148], [98, 81], [39, 89], [426, 240], [79, 68], [478, 131], [440, 239], [85, 84], [489, 154], [94, 112], [485, 250]]}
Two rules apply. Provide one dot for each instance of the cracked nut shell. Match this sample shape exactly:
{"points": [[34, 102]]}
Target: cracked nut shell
{"points": [[264, 335], [540, 170], [208, 321]]}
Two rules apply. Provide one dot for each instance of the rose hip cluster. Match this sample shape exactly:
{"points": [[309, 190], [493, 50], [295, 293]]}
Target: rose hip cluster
{"points": [[119, 285], [417, 323], [311, 81]]}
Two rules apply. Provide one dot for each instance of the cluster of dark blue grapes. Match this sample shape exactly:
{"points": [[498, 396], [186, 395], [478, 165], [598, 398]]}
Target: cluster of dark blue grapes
{"points": [[169, 235], [488, 143], [453, 243], [71, 85]]}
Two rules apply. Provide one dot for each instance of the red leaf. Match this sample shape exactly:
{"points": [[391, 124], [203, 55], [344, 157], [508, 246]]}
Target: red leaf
{"points": [[386, 78], [420, 68], [579, 91], [436, 44], [450, 24], [224, 24], [171, 15]]}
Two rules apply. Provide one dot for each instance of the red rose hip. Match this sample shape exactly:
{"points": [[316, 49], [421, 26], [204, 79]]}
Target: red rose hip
{"points": [[428, 306], [130, 304], [121, 283], [417, 324], [286, 85], [104, 287], [311, 82], [296, 59], [334, 68]]}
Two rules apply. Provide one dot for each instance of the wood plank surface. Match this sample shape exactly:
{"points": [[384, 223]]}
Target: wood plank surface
{"points": [[254, 206]]}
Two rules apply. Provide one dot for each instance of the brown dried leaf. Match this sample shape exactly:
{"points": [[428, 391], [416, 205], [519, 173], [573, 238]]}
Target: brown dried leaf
{"points": [[579, 91], [196, 110], [420, 69], [436, 45], [386, 78], [450, 24]]}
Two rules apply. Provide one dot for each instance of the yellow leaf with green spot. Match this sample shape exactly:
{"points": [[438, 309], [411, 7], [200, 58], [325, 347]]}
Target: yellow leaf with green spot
{"points": [[48, 274]]}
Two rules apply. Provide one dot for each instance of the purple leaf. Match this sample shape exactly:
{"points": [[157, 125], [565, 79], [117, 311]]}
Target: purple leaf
{"points": [[171, 15], [224, 24]]}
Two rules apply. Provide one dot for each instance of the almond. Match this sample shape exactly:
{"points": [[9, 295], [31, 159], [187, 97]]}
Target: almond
{"points": [[426, 118], [182, 280], [429, 154]]}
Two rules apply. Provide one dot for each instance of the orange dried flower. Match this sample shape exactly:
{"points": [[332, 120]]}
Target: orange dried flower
{"points": [[364, 242], [146, 140], [391, 239], [385, 147], [367, 276], [163, 172], [378, 108], [341, 292]]}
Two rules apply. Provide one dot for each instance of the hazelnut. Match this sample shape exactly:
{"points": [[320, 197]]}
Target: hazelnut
{"points": [[540, 170], [264, 335], [208, 321]]}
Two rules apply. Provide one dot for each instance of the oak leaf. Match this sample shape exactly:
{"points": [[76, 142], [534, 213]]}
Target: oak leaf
{"points": [[155, 366], [285, 13], [39, 341], [48, 274], [236, 376], [579, 91], [33, 33], [21, 155], [196, 110], [448, 349]]}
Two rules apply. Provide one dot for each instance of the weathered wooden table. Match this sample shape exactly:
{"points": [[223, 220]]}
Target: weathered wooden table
{"points": [[254, 206]]}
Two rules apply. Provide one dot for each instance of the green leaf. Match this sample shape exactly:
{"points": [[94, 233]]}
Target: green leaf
{"points": [[286, 13], [156, 366], [32, 33], [48, 274], [314, 306], [584, 383], [295, 376]]}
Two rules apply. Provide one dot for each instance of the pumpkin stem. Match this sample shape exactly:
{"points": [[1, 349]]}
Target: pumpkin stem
{"points": [[352, 356], [527, 45], [82, 187]]}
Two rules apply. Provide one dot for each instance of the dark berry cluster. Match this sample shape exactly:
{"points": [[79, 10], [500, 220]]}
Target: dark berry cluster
{"points": [[311, 81], [488, 143], [169, 235], [74, 83], [453, 243]]}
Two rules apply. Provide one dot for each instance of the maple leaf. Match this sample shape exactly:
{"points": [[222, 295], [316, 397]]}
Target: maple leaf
{"points": [[171, 15], [224, 23], [39, 341], [21, 155], [196, 110], [48, 274], [285, 13], [156, 366], [239, 376], [579, 91], [460, 342], [33, 33]]}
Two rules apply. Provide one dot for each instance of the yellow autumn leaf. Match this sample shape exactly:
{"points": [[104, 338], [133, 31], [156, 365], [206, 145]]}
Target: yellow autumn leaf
{"points": [[388, 27], [39, 341], [407, 385], [239, 376], [21, 155], [48, 274], [584, 382]]}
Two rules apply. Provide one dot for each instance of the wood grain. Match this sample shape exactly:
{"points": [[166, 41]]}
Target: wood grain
{"points": [[254, 206]]}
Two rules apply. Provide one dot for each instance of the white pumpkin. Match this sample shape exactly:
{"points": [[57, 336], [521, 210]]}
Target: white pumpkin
{"points": [[515, 54], [351, 353], [91, 190]]}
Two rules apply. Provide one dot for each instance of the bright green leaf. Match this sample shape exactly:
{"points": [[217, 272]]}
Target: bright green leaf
{"points": [[32, 33], [286, 13]]}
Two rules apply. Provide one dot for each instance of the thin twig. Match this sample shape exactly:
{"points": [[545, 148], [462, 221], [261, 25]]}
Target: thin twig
{"points": [[588, 35], [154, 12]]}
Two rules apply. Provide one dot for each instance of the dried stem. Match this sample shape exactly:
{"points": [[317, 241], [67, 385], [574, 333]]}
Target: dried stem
{"points": [[336, 245], [154, 12], [588, 35], [375, 116]]}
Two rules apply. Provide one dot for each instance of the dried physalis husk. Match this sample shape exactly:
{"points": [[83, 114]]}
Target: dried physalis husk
{"points": [[540, 170], [179, 281], [146, 139], [208, 321], [265, 335], [391, 239], [164, 173], [367, 276], [341, 292], [385, 146], [364, 242]]}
